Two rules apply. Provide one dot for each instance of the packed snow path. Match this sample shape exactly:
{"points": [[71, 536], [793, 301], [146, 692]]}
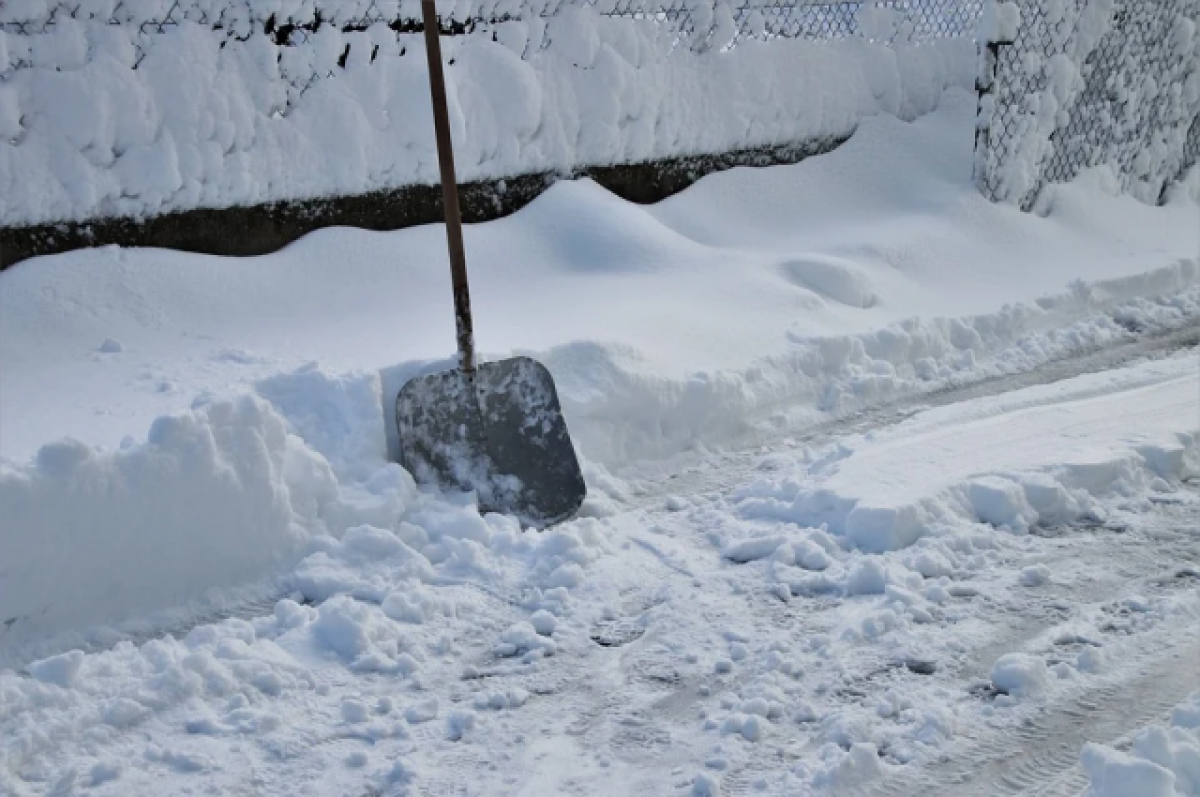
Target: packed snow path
{"points": [[712, 642]]}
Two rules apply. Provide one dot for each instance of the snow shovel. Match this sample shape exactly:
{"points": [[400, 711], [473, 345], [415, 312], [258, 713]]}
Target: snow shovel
{"points": [[497, 427]]}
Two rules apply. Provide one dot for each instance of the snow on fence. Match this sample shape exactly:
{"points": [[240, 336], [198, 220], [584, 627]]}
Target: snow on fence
{"points": [[137, 108], [1075, 84], [304, 113]]}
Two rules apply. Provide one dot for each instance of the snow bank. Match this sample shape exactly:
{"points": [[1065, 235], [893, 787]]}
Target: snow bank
{"points": [[213, 498], [621, 409], [228, 496], [1042, 466], [757, 294], [1163, 761], [680, 325], [84, 135]]}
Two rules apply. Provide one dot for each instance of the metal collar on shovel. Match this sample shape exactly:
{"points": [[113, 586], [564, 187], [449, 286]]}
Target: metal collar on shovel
{"points": [[495, 428]]}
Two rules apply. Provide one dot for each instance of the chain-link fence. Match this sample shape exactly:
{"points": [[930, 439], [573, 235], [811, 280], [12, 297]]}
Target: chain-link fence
{"points": [[372, 28], [1087, 83]]}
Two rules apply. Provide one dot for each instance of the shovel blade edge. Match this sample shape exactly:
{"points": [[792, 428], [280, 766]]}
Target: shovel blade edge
{"points": [[499, 432]]}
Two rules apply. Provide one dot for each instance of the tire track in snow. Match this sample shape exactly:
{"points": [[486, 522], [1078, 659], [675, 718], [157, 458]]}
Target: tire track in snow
{"points": [[1041, 755]]}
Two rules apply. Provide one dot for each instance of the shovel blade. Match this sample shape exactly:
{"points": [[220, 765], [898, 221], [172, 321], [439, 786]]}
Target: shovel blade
{"points": [[499, 432]]}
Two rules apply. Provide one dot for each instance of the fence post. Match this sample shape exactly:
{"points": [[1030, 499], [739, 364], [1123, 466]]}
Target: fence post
{"points": [[985, 90]]}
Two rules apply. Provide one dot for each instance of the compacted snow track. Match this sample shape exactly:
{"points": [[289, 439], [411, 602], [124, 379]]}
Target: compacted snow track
{"points": [[1040, 755]]}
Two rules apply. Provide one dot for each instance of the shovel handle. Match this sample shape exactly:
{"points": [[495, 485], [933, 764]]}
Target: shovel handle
{"points": [[454, 237]]}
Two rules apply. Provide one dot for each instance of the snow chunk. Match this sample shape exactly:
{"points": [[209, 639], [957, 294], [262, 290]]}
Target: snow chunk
{"points": [[867, 577], [749, 726], [497, 701], [705, 785], [458, 722], [543, 622], [422, 712], [1115, 774], [1001, 502], [883, 528], [751, 549], [361, 635], [522, 637], [1019, 674], [60, 670], [859, 766], [1034, 576]]}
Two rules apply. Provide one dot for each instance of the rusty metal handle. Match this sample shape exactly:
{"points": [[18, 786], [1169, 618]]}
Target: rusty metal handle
{"points": [[454, 237]]}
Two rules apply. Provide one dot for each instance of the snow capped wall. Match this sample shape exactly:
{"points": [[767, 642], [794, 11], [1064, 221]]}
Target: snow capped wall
{"points": [[144, 107], [1091, 83]]}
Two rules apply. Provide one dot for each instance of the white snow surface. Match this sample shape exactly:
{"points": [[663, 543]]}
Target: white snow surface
{"points": [[796, 619], [207, 120], [1164, 760], [432, 650], [854, 276]]}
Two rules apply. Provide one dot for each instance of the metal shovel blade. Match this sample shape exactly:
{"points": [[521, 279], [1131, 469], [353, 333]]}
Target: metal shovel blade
{"points": [[499, 432]]}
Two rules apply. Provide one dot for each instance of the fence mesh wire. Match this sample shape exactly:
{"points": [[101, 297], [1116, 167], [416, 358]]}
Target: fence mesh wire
{"points": [[695, 25], [1063, 99]]}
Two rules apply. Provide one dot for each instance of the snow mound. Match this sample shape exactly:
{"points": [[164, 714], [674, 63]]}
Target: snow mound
{"points": [[622, 407], [213, 498]]}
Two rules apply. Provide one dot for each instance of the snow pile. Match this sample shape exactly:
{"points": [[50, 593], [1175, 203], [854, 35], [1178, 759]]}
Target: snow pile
{"points": [[416, 649], [85, 135], [1162, 762], [670, 328], [396, 602], [228, 495], [212, 498]]}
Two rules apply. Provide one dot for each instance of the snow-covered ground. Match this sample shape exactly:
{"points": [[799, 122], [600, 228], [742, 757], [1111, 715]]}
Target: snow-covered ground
{"points": [[767, 591], [864, 273], [1157, 760], [740, 638]]}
